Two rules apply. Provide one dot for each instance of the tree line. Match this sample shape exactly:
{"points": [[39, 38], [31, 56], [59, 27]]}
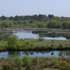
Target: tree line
{"points": [[35, 21]]}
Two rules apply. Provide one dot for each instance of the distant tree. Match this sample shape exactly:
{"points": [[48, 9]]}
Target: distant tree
{"points": [[50, 16], [4, 25], [3, 17], [11, 18], [66, 25], [53, 24]]}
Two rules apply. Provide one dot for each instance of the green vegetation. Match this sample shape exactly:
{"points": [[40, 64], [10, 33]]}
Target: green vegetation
{"points": [[52, 32], [11, 43], [35, 21], [33, 45], [28, 63], [5, 35]]}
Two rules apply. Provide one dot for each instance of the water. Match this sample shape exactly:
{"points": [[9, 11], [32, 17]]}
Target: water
{"points": [[30, 35], [57, 54], [26, 35]]}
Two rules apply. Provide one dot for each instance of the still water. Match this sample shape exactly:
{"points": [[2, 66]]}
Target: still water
{"points": [[30, 35], [65, 54]]}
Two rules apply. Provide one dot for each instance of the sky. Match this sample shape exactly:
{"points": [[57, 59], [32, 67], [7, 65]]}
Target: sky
{"points": [[31, 7]]}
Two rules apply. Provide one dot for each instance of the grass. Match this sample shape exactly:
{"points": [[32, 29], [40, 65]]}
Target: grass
{"points": [[34, 45], [27, 63]]}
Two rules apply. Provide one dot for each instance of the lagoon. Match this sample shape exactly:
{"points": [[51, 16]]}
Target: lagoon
{"points": [[29, 35], [56, 54]]}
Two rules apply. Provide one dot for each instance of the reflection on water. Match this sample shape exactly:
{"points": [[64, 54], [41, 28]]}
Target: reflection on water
{"points": [[3, 54], [30, 35], [21, 54]]}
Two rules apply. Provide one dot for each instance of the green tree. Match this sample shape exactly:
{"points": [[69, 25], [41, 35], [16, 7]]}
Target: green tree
{"points": [[12, 43]]}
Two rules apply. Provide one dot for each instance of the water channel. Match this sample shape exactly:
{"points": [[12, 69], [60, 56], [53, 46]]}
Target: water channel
{"points": [[30, 35], [57, 54]]}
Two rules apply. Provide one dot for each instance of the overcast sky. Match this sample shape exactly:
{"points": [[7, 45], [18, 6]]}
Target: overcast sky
{"points": [[30, 7]]}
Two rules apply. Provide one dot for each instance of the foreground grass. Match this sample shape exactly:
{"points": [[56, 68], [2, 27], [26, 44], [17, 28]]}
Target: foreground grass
{"points": [[27, 63], [33, 45]]}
